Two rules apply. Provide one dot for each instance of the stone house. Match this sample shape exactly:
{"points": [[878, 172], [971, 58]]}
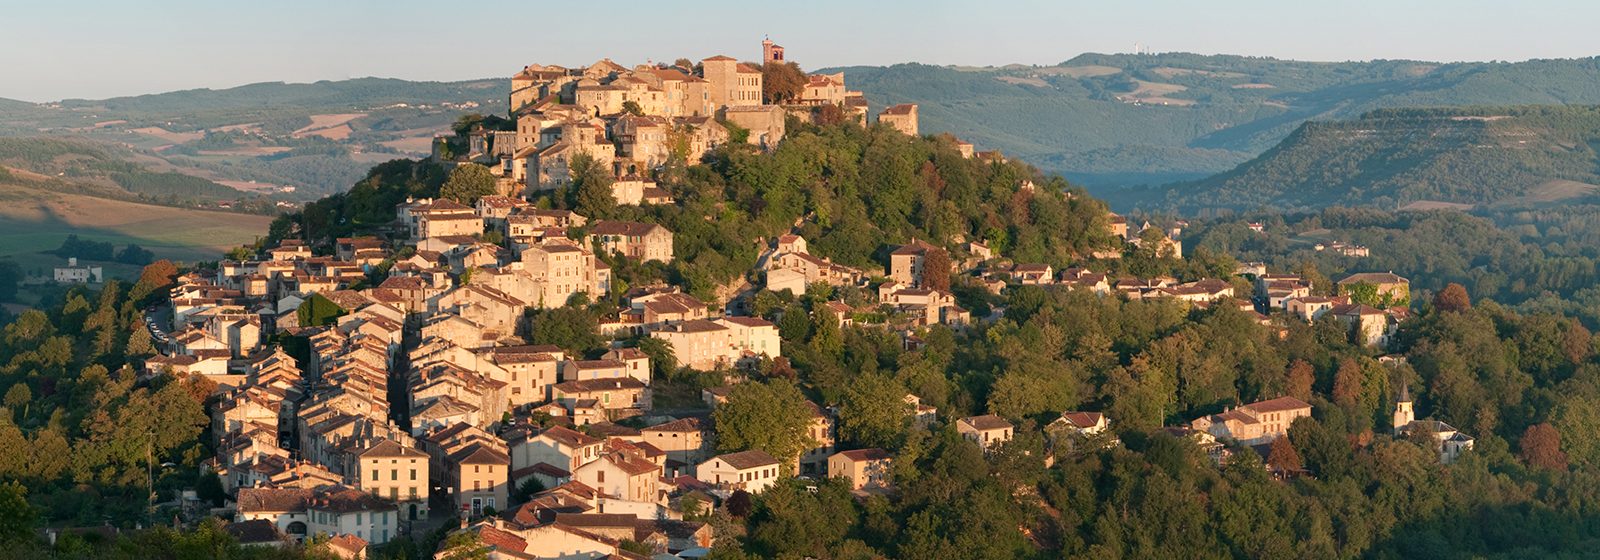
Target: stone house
{"points": [[902, 117], [1386, 284], [398, 473], [634, 240], [865, 469], [563, 448], [751, 471], [685, 441], [987, 431], [1254, 423], [905, 262], [622, 476]]}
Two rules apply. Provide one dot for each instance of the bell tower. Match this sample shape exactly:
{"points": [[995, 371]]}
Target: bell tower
{"points": [[1404, 414], [770, 52]]}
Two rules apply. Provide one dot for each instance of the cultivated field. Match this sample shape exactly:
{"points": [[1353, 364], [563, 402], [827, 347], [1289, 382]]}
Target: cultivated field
{"points": [[33, 220], [1088, 71], [332, 127]]}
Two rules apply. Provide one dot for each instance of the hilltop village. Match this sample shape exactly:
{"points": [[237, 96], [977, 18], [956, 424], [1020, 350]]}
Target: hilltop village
{"points": [[359, 412]]}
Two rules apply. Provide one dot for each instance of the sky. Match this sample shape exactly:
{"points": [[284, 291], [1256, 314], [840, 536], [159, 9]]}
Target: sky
{"points": [[55, 49]]}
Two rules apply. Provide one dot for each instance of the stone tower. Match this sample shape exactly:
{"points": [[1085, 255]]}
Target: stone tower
{"points": [[1404, 414], [770, 52]]}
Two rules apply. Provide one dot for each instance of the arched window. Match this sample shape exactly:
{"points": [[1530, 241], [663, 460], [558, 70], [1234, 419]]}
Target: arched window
{"points": [[297, 528]]}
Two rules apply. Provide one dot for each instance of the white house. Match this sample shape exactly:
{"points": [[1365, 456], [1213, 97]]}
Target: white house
{"points": [[751, 471]]}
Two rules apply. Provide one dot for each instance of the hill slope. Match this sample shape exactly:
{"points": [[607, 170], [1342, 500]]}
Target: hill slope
{"points": [[296, 141], [36, 216], [1147, 119], [1398, 157]]}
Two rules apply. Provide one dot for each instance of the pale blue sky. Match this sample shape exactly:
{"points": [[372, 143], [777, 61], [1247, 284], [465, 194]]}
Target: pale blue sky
{"points": [[53, 49]]}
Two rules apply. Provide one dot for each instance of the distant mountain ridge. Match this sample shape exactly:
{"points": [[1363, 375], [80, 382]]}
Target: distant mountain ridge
{"points": [[1395, 158], [290, 141], [1104, 120], [358, 93], [1121, 119]]}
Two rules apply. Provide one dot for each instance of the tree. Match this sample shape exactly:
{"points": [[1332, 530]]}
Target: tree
{"points": [[663, 362], [691, 506], [1347, 383], [873, 411], [572, 328], [1577, 343], [17, 517], [936, 269], [1283, 456], [18, 397], [134, 254], [1541, 447], [468, 183], [740, 504], [140, 342], [155, 277], [782, 82], [209, 488], [773, 417], [765, 303], [317, 310], [1452, 298], [1300, 378], [463, 545], [632, 107], [591, 188]]}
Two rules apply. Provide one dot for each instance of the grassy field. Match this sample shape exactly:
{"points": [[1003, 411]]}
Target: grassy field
{"points": [[33, 220]]}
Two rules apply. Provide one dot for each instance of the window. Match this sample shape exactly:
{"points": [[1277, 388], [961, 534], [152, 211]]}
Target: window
{"points": [[394, 474], [374, 474], [601, 477], [413, 472]]}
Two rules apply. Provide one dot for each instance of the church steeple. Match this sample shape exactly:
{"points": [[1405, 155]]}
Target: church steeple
{"points": [[1404, 414]]}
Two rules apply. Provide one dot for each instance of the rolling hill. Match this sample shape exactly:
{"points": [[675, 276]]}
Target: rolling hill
{"points": [[1409, 158], [37, 214], [289, 141], [1117, 120], [1104, 120]]}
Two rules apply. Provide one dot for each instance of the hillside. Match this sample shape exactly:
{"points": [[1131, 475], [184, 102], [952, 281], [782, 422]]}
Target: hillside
{"points": [[290, 141], [1102, 120], [37, 216], [1107, 120], [1417, 158]]}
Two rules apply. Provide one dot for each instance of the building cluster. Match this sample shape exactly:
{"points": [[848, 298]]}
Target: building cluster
{"points": [[1371, 326], [418, 394], [1343, 248], [632, 121], [411, 391]]}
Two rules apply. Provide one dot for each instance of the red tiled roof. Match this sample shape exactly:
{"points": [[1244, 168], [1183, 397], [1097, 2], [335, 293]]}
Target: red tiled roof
{"points": [[1278, 405], [748, 459], [901, 109], [987, 422], [873, 454]]}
